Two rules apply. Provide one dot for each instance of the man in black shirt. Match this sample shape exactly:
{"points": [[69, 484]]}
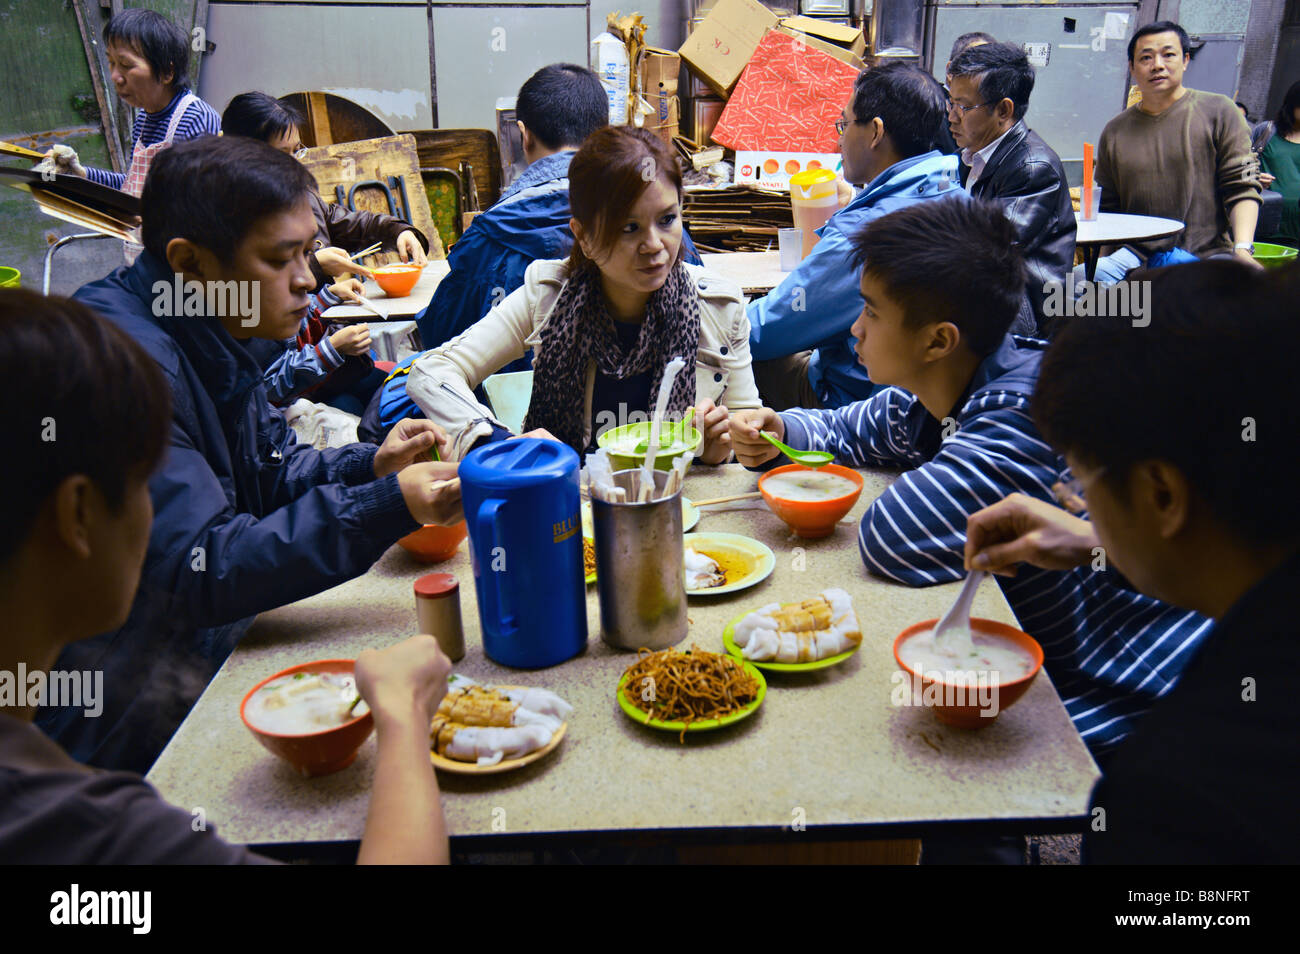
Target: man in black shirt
{"points": [[88, 415], [1180, 435]]}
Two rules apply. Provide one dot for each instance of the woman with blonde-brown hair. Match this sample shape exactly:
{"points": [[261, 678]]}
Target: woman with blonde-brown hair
{"points": [[604, 323]]}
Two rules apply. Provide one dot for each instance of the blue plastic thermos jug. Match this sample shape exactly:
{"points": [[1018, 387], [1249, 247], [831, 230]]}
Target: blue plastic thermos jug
{"points": [[525, 535]]}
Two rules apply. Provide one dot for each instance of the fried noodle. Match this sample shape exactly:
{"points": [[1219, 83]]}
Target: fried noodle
{"points": [[688, 686]]}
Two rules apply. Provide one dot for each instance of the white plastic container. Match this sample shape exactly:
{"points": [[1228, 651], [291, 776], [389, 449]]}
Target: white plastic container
{"points": [[609, 62]]}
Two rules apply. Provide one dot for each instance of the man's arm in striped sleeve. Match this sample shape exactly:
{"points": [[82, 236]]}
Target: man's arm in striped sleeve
{"points": [[915, 532], [866, 433]]}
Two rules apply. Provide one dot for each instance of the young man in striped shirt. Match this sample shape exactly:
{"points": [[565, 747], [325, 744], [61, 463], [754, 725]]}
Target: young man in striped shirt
{"points": [[942, 284]]}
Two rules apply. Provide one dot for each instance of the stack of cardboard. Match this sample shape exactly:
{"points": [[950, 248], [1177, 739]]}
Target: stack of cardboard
{"points": [[722, 39], [735, 219]]}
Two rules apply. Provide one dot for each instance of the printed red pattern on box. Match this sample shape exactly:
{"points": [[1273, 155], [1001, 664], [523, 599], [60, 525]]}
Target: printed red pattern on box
{"points": [[788, 98]]}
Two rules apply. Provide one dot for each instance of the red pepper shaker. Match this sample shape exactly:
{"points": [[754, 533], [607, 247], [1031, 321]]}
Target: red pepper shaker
{"points": [[437, 607]]}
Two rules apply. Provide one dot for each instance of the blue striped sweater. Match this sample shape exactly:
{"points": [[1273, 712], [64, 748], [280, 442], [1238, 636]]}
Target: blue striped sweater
{"points": [[200, 119], [1110, 650]]}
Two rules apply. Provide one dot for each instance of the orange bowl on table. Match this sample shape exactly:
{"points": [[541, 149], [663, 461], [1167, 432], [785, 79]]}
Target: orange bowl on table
{"points": [[314, 753], [432, 543], [812, 518], [396, 280], [954, 704]]}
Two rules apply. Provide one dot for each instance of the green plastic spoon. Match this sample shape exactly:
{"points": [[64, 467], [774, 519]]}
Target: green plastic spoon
{"points": [[807, 458], [670, 435]]}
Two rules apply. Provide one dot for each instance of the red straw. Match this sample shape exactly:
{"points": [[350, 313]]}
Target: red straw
{"points": [[1087, 178]]}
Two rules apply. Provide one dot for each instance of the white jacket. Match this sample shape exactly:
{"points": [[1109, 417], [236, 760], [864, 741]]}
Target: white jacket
{"points": [[722, 370]]}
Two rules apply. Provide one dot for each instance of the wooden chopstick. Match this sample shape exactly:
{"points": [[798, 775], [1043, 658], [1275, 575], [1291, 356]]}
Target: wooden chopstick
{"points": [[718, 500], [366, 251], [13, 150]]}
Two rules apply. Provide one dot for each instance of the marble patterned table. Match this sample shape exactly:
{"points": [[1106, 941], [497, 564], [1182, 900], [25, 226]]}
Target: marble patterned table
{"points": [[827, 749]]}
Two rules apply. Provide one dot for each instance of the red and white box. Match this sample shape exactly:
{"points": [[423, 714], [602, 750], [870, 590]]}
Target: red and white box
{"points": [[769, 169]]}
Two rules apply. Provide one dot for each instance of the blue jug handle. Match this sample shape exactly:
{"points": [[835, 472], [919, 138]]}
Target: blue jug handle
{"points": [[494, 595]]}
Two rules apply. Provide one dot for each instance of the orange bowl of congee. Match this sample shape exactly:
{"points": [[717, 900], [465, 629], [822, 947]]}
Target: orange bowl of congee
{"points": [[396, 280], [811, 500], [969, 684], [309, 715]]}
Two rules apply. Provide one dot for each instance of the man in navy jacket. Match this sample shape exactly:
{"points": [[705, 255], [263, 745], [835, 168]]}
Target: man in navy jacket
{"points": [[245, 518]]}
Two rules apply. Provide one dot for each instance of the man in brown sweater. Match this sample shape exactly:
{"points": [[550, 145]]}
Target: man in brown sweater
{"points": [[1180, 154]]}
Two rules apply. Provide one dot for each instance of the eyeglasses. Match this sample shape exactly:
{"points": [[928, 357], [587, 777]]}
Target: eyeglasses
{"points": [[300, 152], [955, 105], [841, 125]]}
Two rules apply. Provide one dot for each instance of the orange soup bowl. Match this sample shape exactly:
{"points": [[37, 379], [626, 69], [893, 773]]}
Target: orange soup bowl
{"points": [[314, 753], [432, 543], [396, 280], [969, 707], [812, 518]]}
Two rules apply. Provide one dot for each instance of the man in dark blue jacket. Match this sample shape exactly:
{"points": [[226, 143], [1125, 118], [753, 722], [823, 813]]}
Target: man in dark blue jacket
{"points": [[558, 107], [245, 518]]}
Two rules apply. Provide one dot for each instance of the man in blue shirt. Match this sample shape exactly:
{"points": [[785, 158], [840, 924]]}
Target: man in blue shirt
{"points": [[887, 137], [558, 107]]}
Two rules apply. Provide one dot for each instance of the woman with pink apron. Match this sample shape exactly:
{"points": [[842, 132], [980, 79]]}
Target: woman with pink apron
{"points": [[141, 157]]}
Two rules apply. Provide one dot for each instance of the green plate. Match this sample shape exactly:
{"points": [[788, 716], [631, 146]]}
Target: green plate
{"points": [[638, 715], [736, 652]]}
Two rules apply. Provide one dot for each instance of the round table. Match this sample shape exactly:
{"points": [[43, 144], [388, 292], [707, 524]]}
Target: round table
{"points": [[1117, 228]]}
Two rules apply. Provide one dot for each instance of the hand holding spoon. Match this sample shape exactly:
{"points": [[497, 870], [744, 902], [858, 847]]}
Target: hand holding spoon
{"points": [[807, 458]]}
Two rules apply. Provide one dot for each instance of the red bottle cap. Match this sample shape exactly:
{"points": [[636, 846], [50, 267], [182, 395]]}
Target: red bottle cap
{"points": [[436, 585]]}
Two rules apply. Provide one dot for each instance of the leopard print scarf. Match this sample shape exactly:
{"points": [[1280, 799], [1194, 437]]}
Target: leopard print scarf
{"points": [[580, 331]]}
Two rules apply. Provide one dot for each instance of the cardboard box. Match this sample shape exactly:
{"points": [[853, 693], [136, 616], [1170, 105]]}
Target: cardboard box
{"points": [[839, 52], [788, 99], [772, 170], [720, 47], [659, 71], [665, 124], [850, 38]]}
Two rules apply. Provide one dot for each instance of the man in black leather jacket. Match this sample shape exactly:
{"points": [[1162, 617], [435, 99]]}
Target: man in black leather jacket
{"points": [[1002, 158]]}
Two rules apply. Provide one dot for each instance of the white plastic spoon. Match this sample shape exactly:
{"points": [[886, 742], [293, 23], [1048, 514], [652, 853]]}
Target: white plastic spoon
{"points": [[952, 634], [646, 490]]}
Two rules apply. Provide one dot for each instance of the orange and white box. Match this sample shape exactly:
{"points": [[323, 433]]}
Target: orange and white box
{"points": [[772, 170]]}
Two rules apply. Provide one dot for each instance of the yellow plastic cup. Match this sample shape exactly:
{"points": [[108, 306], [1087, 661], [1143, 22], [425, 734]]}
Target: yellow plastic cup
{"points": [[9, 276], [814, 199]]}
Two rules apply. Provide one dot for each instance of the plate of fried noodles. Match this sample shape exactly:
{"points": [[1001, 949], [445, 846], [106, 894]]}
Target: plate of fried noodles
{"points": [[689, 691]]}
